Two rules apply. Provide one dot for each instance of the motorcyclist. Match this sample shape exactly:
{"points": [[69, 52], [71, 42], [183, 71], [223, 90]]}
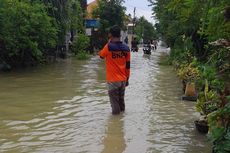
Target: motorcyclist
{"points": [[134, 44]]}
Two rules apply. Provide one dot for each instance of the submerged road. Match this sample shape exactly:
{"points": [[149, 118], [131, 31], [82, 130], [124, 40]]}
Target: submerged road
{"points": [[64, 107]]}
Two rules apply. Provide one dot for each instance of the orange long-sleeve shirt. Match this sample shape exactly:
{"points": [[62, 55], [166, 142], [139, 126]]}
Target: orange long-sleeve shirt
{"points": [[117, 56]]}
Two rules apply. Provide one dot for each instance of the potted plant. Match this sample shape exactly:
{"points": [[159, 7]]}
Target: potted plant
{"points": [[206, 103], [189, 74]]}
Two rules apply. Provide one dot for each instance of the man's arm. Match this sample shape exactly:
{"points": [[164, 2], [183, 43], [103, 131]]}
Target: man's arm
{"points": [[103, 52]]}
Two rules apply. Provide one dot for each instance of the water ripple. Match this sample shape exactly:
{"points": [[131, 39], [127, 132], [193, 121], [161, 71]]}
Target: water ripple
{"points": [[67, 109]]}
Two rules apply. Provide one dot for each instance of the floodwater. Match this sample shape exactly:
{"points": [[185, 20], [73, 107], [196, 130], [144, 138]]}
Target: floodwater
{"points": [[64, 108]]}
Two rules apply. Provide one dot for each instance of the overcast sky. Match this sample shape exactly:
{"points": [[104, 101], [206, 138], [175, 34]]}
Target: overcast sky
{"points": [[142, 8]]}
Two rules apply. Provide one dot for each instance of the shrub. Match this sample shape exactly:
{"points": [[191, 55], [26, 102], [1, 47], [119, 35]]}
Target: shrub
{"points": [[80, 44], [188, 73], [26, 32]]}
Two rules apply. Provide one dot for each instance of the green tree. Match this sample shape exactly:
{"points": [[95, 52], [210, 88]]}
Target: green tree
{"points": [[26, 32], [190, 28], [68, 14], [145, 30], [76, 17], [109, 13]]}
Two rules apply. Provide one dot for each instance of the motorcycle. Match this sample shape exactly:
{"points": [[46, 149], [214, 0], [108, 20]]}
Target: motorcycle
{"points": [[147, 49]]}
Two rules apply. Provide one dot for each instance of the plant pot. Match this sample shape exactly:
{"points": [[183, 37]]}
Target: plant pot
{"points": [[190, 98], [190, 90], [201, 126]]}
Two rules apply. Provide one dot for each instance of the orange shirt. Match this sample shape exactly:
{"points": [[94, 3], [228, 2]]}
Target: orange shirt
{"points": [[117, 56]]}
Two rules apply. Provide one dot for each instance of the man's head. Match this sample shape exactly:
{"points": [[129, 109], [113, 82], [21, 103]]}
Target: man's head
{"points": [[115, 32]]}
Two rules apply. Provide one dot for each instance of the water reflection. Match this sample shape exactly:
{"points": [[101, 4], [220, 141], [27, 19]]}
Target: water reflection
{"points": [[114, 141]]}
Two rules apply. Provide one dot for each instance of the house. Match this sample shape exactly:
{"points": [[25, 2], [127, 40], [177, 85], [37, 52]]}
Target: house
{"points": [[92, 24], [90, 8]]}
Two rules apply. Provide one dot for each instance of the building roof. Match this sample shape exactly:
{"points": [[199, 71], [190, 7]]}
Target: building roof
{"points": [[90, 8]]}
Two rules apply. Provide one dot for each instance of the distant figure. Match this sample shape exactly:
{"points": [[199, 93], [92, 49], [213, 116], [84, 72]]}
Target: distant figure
{"points": [[147, 48], [126, 40], [134, 44], [155, 44], [117, 57]]}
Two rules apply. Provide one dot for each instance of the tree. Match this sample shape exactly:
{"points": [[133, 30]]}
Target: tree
{"points": [[199, 32], [109, 13], [33, 29], [145, 30], [75, 15], [68, 15], [26, 32]]}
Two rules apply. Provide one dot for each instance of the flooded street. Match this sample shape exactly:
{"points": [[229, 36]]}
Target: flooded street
{"points": [[64, 108]]}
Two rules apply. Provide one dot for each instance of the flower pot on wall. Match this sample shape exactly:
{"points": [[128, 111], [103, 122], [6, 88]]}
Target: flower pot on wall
{"points": [[201, 126], [190, 90]]}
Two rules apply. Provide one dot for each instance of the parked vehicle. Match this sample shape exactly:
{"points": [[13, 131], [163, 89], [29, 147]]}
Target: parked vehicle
{"points": [[147, 48]]}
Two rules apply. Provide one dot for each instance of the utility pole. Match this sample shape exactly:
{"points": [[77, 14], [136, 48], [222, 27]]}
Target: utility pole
{"points": [[134, 18]]}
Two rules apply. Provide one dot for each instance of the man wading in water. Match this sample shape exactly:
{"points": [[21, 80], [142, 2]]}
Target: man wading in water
{"points": [[117, 57]]}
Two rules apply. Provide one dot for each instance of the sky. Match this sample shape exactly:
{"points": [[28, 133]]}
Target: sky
{"points": [[142, 8]]}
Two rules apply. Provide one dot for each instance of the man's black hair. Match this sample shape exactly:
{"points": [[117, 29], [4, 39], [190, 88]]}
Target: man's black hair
{"points": [[115, 31]]}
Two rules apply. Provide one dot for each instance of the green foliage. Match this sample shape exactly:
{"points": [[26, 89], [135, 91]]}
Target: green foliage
{"points": [[207, 101], [216, 25], [75, 16], [190, 28], [220, 129], [109, 13], [219, 58], [26, 32], [197, 20], [145, 30], [182, 52], [188, 73], [31, 29], [58, 10], [80, 44], [209, 73], [68, 15]]}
